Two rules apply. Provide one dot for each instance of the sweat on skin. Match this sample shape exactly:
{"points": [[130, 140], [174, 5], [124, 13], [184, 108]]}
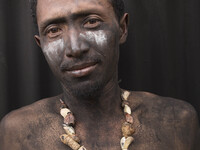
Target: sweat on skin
{"points": [[53, 48]]}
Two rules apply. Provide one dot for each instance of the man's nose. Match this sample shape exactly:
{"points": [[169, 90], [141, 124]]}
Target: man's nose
{"points": [[76, 46]]}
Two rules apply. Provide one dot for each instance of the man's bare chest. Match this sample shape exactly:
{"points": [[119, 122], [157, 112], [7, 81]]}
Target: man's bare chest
{"points": [[47, 136]]}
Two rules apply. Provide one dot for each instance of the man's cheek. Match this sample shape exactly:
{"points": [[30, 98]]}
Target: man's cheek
{"points": [[97, 37], [53, 50]]}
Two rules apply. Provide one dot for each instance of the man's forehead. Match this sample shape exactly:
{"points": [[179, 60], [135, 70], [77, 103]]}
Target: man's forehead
{"points": [[58, 7], [73, 2]]}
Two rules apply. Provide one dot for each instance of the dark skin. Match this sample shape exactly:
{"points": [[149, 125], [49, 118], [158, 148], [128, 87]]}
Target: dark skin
{"points": [[161, 124], [85, 36]]}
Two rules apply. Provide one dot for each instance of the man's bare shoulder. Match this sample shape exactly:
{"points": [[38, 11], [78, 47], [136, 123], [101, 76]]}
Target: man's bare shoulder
{"points": [[42, 106], [18, 123], [158, 104], [171, 119]]}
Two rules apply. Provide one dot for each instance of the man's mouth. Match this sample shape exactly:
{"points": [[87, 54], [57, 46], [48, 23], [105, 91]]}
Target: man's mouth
{"points": [[81, 70]]}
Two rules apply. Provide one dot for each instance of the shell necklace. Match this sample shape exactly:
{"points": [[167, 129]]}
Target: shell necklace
{"points": [[70, 138]]}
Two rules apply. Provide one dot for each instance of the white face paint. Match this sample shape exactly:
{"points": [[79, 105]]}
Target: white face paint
{"points": [[99, 37], [51, 50]]}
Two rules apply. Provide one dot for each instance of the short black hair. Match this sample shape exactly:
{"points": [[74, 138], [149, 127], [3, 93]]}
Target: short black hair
{"points": [[118, 6]]}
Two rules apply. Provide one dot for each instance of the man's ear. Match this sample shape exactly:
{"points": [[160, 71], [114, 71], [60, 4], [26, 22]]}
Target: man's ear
{"points": [[124, 28], [37, 40]]}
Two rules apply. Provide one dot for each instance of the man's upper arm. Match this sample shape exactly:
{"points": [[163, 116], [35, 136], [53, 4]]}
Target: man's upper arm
{"points": [[9, 136], [186, 124]]}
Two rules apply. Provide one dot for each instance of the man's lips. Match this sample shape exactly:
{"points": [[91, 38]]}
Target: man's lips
{"points": [[81, 69]]}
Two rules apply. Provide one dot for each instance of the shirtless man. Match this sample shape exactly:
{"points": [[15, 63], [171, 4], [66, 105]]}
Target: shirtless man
{"points": [[80, 40]]}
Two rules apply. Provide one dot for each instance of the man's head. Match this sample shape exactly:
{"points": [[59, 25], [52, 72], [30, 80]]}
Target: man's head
{"points": [[80, 40], [118, 6]]}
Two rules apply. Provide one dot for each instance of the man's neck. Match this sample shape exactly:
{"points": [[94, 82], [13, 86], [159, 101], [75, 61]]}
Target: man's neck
{"points": [[106, 104]]}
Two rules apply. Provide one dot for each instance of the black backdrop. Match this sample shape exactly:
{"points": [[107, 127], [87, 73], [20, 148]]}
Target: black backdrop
{"points": [[161, 54]]}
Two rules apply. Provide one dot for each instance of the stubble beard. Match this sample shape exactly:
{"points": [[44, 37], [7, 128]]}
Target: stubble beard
{"points": [[86, 91]]}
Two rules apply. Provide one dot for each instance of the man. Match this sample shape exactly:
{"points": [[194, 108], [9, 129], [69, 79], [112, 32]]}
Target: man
{"points": [[80, 40]]}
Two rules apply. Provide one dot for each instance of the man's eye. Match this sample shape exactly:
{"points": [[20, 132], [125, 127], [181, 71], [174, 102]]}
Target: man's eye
{"points": [[92, 23], [54, 32]]}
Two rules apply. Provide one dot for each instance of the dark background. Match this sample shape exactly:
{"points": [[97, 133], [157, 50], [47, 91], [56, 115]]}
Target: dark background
{"points": [[161, 54]]}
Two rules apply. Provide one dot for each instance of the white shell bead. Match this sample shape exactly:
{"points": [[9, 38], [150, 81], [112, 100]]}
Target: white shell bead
{"points": [[125, 142], [127, 109], [64, 112], [69, 130], [66, 139], [82, 148], [125, 95], [122, 142]]}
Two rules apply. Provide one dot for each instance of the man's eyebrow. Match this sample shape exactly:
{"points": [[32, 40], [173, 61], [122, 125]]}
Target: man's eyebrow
{"points": [[52, 21], [83, 13], [63, 19]]}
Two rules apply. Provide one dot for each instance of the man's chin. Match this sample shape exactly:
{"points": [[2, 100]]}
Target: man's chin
{"points": [[86, 91]]}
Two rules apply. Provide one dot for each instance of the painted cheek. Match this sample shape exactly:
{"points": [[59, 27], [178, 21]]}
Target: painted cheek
{"points": [[53, 49], [97, 37]]}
